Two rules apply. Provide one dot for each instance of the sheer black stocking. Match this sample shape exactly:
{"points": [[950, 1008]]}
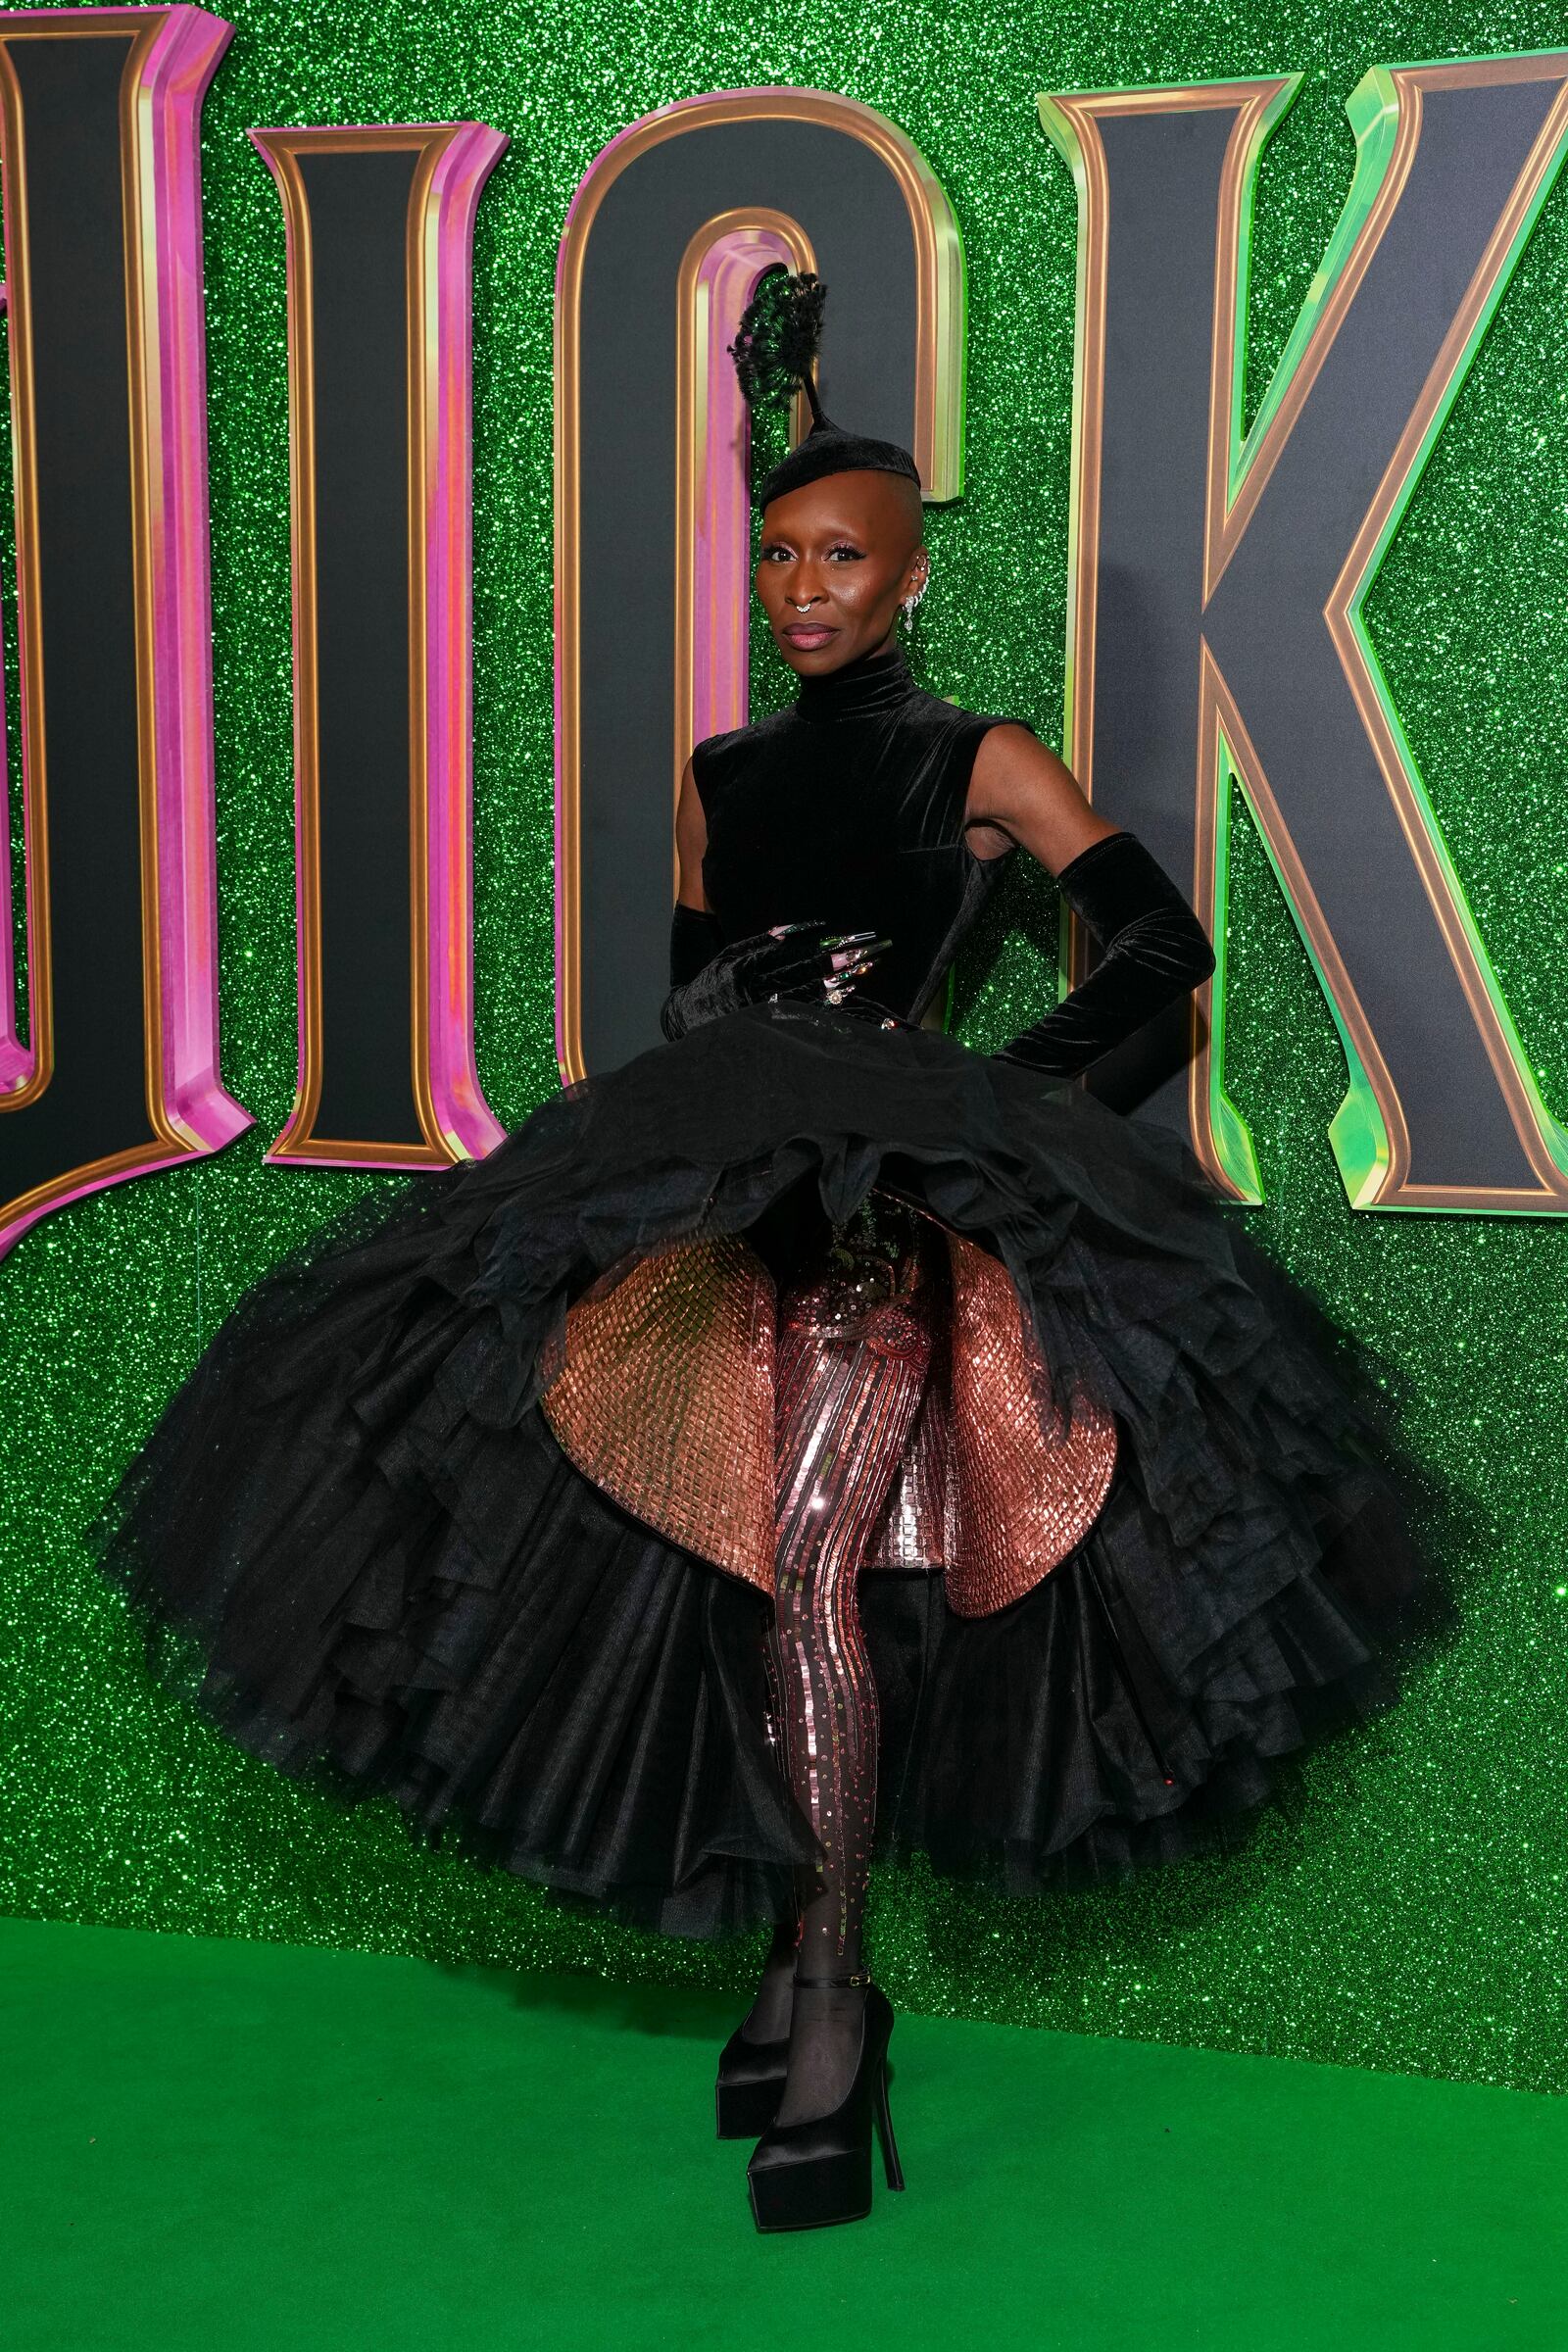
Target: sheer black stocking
{"points": [[853, 1345], [768, 2017]]}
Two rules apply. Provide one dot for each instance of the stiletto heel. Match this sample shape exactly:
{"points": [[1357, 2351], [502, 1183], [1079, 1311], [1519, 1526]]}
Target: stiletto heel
{"points": [[807, 2174], [892, 2167], [750, 2085]]}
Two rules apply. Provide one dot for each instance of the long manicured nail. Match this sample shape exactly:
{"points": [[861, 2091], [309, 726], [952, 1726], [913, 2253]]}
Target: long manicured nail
{"points": [[788, 930], [846, 939]]}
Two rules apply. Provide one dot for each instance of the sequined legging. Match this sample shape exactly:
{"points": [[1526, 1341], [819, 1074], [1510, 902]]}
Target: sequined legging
{"points": [[853, 1345]]}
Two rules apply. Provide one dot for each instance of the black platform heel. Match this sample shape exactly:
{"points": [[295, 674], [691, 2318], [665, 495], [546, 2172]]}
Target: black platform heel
{"points": [[750, 2084], [751, 2073], [807, 2174]]}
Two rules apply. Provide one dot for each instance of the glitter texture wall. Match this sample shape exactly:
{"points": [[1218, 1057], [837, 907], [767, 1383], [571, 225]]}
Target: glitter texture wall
{"points": [[1402, 1905]]}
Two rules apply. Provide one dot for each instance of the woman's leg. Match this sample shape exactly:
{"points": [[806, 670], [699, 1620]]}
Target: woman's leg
{"points": [[768, 2017], [854, 1348]]}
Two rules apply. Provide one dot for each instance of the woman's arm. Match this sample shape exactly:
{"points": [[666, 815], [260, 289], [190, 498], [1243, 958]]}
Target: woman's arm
{"points": [[1155, 948], [695, 938], [691, 841], [1022, 795]]}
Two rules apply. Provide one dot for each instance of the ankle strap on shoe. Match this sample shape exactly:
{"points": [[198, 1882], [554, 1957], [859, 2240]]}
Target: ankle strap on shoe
{"points": [[859, 1975]]}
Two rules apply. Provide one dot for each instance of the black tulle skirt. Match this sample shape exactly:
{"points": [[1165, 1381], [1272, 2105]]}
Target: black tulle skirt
{"points": [[354, 1540]]}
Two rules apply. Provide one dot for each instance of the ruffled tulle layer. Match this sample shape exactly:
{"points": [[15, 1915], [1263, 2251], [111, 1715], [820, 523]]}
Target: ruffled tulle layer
{"points": [[354, 1540]]}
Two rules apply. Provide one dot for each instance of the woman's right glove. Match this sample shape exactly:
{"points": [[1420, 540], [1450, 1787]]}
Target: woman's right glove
{"points": [[709, 979]]}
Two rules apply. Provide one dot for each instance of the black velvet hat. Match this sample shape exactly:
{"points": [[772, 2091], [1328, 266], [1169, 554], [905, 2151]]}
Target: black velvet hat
{"points": [[774, 351]]}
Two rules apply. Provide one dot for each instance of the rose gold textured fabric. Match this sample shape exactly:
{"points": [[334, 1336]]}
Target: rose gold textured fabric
{"points": [[919, 1528], [666, 1399], [1029, 1485]]}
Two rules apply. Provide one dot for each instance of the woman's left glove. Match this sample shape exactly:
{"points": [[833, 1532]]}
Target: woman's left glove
{"points": [[1156, 949], [709, 979]]}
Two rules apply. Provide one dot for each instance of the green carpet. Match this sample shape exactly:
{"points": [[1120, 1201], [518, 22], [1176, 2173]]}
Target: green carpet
{"points": [[245, 2147]]}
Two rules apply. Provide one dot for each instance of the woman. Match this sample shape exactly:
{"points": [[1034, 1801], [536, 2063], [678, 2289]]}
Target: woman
{"points": [[814, 1439]]}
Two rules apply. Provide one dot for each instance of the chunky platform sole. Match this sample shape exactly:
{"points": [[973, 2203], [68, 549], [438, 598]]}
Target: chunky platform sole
{"points": [[814, 2174], [813, 2196]]}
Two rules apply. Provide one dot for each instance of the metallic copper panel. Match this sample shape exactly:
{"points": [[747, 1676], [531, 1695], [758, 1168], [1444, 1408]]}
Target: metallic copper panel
{"points": [[1029, 1487], [672, 1385], [666, 1401]]}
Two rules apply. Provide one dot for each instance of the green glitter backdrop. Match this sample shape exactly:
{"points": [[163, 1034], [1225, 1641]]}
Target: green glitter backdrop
{"points": [[1401, 1904]]}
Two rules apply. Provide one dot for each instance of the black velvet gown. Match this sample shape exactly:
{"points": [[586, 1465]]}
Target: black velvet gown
{"points": [[466, 1502]]}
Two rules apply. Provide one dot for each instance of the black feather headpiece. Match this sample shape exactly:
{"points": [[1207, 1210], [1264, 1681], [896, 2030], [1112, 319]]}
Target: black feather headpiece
{"points": [[774, 351]]}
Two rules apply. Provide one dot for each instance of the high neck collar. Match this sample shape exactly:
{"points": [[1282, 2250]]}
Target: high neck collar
{"points": [[869, 686]]}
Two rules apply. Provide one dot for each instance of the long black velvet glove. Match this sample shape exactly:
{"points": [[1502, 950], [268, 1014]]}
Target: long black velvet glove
{"points": [[1156, 949], [709, 979]]}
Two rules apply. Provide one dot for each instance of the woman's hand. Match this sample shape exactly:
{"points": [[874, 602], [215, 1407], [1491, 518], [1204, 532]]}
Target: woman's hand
{"points": [[709, 979], [794, 960]]}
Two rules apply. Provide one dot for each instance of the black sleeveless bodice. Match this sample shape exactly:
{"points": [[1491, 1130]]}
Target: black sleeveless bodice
{"points": [[848, 806]]}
